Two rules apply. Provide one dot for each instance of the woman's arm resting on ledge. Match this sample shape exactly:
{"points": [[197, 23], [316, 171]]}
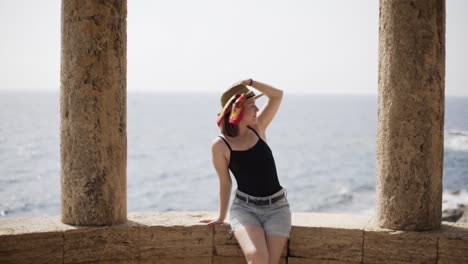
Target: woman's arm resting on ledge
{"points": [[225, 184]]}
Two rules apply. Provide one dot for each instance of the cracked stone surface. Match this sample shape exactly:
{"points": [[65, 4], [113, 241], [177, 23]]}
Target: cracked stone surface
{"points": [[93, 112], [179, 237], [410, 114]]}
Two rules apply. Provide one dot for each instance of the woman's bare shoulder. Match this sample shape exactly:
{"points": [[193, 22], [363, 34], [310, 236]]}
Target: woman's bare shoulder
{"points": [[219, 149], [218, 145]]}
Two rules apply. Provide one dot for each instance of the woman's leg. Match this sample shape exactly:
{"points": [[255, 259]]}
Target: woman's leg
{"points": [[252, 240], [275, 246]]}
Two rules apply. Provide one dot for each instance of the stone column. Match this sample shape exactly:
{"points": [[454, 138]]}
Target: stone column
{"points": [[410, 114], [93, 128]]}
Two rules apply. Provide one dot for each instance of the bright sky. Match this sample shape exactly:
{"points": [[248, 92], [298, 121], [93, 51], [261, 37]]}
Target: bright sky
{"points": [[300, 46]]}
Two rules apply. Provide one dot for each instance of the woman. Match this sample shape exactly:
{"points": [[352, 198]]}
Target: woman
{"points": [[260, 215]]}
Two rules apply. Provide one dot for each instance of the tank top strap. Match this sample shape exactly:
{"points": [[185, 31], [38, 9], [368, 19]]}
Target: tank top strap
{"points": [[254, 131], [225, 141]]}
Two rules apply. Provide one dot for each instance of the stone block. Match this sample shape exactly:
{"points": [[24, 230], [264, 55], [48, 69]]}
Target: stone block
{"points": [[176, 260], [293, 260], [171, 218], [174, 234], [453, 244], [99, 243], [383, 245], [228, 260], [225, 244], [327, 237], [30, 240], [236, 260], [114, 261]]}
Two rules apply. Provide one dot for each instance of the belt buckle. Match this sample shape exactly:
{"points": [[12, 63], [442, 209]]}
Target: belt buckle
{"points": [[260, 202]]}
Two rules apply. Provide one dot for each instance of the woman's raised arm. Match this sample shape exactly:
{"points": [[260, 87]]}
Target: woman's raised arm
{"points": [[268, 112]]}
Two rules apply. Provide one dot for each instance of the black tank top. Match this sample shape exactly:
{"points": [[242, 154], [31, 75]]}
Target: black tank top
{"points": [[254, 169]]}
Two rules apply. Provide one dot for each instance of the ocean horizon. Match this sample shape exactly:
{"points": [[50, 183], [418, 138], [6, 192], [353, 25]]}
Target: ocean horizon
{"points": [[324, 148]]}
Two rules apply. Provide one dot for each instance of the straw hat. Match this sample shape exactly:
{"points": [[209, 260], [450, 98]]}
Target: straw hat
{"points": [[232, 102], [238, 89]]}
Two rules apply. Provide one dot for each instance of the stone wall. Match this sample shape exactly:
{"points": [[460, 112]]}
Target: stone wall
{"points": [[178, 237]]}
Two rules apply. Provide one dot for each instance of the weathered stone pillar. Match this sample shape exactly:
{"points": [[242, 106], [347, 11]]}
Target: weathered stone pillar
{"points": [[93, 112], [410, 114]]}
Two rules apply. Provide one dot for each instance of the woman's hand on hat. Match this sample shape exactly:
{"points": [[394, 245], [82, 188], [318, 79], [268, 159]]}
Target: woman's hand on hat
{"points": [[212, 221]]}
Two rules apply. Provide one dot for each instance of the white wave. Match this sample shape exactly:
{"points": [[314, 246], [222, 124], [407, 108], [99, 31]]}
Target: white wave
{"points": [[456, 140], [451, 200]]}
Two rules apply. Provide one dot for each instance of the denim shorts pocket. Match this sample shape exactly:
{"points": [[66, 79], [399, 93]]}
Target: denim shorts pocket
{"points": [[281, 202], [234, 211], [237, 208]]}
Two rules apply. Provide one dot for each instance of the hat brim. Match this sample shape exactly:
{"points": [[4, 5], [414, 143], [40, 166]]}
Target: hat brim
{"points": [[255, 97], [258, 95], [247, 99]]}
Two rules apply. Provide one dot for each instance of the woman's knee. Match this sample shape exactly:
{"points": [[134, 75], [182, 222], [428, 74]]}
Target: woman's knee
{"points": [[256, 256]]}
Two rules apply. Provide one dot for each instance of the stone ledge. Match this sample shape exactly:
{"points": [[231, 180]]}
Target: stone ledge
{"points": [[236, 260], [179, 237], [385, 245], [337, 237], [453, 244], [30, 240]]}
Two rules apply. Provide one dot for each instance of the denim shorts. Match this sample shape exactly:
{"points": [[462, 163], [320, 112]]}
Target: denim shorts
{"points": [[275, 218]]}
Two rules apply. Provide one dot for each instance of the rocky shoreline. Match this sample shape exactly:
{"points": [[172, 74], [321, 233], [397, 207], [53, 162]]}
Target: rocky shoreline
{"points": [[457, 213]]}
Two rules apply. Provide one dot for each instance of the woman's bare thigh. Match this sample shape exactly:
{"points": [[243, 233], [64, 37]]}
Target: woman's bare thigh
{"points": [[276, 245], [252, 240]]}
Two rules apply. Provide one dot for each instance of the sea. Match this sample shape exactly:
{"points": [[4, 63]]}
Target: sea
{"points": [[324, 148]]}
